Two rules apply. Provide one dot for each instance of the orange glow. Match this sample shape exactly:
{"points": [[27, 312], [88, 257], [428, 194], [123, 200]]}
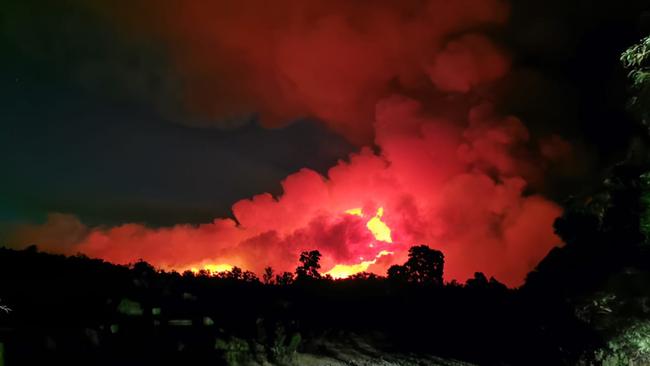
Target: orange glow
{"points": [[347, 270], [213, 268]]}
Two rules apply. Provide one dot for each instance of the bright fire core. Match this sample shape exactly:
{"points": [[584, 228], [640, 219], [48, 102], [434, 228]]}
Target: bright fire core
{"points": [[213, 268], [347, 270], [379, 230]]}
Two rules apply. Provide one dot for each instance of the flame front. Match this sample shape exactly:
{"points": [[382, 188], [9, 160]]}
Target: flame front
{"points": [[380, 231], [213, 268], [347, 270]]}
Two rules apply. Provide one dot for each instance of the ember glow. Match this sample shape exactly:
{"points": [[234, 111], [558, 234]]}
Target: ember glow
{"points": [[409, 83], [212, 268], [347, 270]]}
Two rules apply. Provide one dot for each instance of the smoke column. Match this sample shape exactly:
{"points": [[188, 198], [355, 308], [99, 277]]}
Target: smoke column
{"points": [[408, 82]]}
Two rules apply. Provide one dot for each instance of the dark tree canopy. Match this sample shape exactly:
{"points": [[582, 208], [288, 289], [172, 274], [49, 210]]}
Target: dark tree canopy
{"points": [[424, 265], [397, 273], [284, 279], [267, 277], [309, 265]]}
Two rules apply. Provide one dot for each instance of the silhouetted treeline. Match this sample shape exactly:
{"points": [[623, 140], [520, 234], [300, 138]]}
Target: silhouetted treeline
{"points": [[77, 309]]}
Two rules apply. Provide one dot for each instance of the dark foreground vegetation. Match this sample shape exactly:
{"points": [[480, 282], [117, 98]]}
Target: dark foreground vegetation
{"points": [[83, 310]]}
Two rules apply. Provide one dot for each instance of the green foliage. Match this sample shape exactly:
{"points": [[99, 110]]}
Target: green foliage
{"points": [[294, 342], [236, 351], [130, 307], [630, 346], [637, 60], [644, 220], [207, 321], [283, 348], [638, 55]]}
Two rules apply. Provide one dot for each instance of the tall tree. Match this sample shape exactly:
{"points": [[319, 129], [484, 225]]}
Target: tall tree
{"points": [[309, 265], [424, 265], [267, 277]]}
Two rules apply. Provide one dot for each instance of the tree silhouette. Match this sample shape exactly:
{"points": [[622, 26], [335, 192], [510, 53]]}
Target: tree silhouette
{"points": [[267, 277], [365, 276], [188, 274], [310, 265], [235, 273], [424, 265], [479, 281], [284, 279], [397, 273], [143, 268]]}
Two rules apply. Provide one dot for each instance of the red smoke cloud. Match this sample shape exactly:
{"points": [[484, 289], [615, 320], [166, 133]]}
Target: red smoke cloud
{"points": [[447, 170], [455, 189], [331, 59]]}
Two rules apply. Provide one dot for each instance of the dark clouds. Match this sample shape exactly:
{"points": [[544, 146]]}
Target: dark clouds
{"points": [[117, 164]]}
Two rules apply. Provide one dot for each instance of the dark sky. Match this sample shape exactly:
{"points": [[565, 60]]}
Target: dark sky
{"points": [[94, 146], [89, 122], [63, 150]]}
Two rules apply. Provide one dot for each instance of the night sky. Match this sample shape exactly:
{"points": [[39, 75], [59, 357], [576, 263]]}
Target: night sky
{"points": [[82, 133], [156, 115]]}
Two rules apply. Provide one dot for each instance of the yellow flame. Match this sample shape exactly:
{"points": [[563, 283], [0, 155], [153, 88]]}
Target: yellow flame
{"points": [[355, 212], [213, 268], [378, 228], [347, 270]]}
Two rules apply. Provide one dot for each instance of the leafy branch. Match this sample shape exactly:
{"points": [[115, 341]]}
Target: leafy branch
{"points": [[5, 308]]}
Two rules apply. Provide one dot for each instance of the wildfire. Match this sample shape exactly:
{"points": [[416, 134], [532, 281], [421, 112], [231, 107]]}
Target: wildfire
{"points": [[378, 228], [346, 270], [213, 268]]}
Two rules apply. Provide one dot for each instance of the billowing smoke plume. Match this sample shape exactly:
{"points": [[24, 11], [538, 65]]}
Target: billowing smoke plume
{"points": [[456, 189], [408, 80], [327, 59]]}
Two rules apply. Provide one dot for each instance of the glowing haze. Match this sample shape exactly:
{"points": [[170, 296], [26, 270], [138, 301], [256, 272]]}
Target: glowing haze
{"points": [[409, 83]]}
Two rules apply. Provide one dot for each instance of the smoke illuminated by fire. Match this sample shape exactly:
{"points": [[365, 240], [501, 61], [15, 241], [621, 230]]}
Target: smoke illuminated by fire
{"points": [[408, 82], [455, 189], [379, 230]]}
